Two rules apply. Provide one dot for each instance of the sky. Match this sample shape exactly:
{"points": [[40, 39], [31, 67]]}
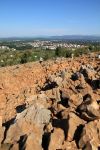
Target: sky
{"points": [[49, 17]]}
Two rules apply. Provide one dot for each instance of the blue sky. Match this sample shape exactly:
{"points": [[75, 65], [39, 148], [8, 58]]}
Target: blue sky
{"points": [[49, 17]]}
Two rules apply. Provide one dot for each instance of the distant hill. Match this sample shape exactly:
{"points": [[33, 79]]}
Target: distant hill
{"points": [[77, 37], [64, 37]]}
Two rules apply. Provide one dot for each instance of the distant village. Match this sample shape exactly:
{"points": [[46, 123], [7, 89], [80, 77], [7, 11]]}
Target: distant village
{"points": [[52, 45], [7, 48]]}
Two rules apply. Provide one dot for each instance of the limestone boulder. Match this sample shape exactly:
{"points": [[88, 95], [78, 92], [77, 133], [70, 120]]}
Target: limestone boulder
{"points": [[90, 137]]}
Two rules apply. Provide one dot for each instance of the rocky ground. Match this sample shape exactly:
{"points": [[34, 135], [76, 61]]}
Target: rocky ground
{"points": [[53, 105]]}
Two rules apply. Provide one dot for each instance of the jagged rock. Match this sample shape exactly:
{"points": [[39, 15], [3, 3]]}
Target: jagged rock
{"points": [[80, 83], [5, 146], [58, 80], [90, 138], [87, 88], [35, 114], [2, 130], [33, 142], [53, 94], [15, 147], [72, 98], [88, 71], [21, 129], [48, 128], [30, 100], [73, 123], [41, 98], [13, 134], [65, 112], [69, 146], [63, 73], [44, 100], [25, 121], [49, 103], [15, 80], [0, 121], [89, 109], [60, 107], [65, 93], [56, 139], [75, 100]]}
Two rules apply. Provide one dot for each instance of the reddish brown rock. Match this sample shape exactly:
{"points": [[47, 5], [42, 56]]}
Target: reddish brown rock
{"points": [[31, 120], [15, 147], [69, 146], [75, 100], [53, 93], [90, 137], [90, 110], [56, 139], [33, 142], [73, 123], [45, 103]]}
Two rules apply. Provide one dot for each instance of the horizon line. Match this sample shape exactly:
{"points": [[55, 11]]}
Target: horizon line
{"points": [[44, 36]]}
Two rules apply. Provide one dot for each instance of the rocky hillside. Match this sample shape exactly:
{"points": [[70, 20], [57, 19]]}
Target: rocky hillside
{"points": [[53, 105]]}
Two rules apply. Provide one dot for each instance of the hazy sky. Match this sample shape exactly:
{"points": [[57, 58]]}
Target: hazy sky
{"points": [[49, 17]]}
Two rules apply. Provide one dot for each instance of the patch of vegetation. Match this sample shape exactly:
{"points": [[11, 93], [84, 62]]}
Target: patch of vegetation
{"points": [[10, 57]]}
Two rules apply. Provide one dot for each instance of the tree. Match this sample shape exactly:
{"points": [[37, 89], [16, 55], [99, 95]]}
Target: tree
{"points": [[68, 53], [90, 48], [25, 57], [58, 51]]}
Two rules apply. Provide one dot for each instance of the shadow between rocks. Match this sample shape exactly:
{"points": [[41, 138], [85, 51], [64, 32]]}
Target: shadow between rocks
{"points": [[20, 108], [63, 124], [49, 86], [22, 142], [77, 134], [7, 125], [46, 140]]}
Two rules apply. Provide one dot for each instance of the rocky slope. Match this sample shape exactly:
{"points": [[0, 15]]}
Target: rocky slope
{"points": [[53, 105]]}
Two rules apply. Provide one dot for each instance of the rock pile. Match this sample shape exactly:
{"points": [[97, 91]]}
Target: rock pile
{"points": [[54, 105]]}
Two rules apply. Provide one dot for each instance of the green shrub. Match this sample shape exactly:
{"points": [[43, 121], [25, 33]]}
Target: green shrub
{"points": [[68, 53], [25, 57], [79, 52], [60, 52]]}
